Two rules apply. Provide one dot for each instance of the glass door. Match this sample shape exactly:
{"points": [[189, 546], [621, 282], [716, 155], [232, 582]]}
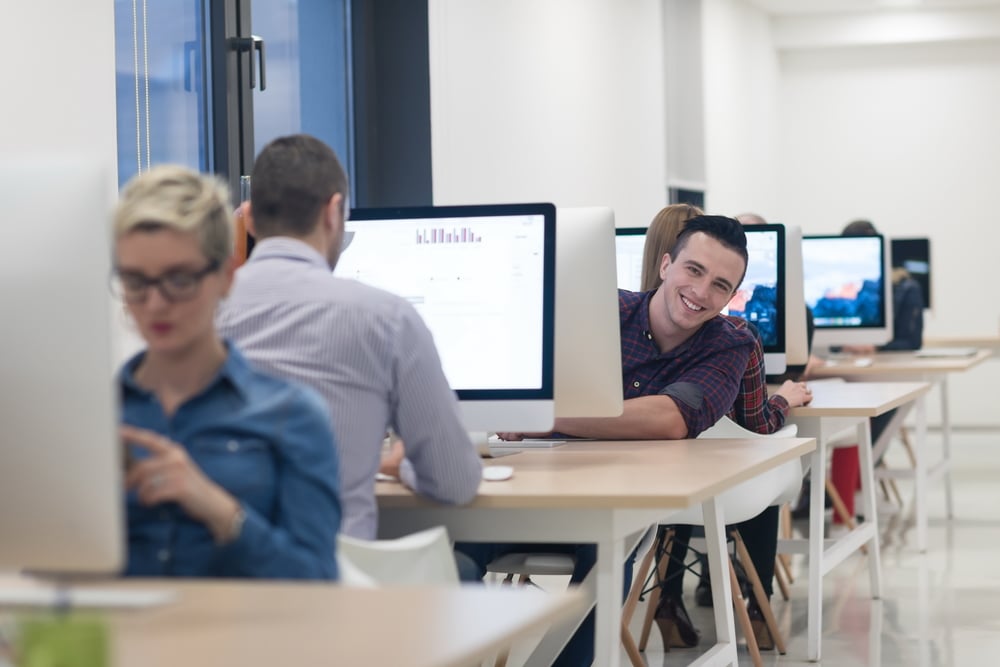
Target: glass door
{"points": [[206, 83]]}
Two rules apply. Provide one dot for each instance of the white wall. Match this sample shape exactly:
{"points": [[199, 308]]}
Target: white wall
{"points": [[741, 110], [58, 83], [559, 101], [906, 135]]}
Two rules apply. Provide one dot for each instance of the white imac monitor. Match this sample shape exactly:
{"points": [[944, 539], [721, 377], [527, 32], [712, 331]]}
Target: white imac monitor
{"points": [[483, 279], [796, 333], [61, 493], [761, 298], [588, 370], [846, 284], [629, 245]]}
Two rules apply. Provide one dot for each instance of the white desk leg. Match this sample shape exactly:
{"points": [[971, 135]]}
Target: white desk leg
{"points": [[868, 504], [718, 567], [946, 439], [610, 584], [817, 493], [920, 474]]}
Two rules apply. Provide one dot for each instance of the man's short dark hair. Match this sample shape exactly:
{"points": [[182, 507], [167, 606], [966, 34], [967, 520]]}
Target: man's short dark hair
{"points": [[859, 228], [727, 231], [293, 179]]}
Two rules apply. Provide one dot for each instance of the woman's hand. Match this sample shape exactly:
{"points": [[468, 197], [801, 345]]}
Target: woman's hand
{"points": [[169, 475], [796, 393]]}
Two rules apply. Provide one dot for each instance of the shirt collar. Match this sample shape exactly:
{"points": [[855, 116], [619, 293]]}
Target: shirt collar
{"points": [[286, 247], [235, 371]]}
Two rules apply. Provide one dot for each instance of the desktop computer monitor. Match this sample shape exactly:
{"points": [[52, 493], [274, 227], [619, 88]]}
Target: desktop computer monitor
{"points": [[760, 299], [588, 368], [845, 282], [483, 279], [629, 244], [796, 332], [61, 493], [914, 255]]}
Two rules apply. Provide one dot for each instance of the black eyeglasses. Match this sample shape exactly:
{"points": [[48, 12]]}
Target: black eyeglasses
{"points": [[174, 286]]}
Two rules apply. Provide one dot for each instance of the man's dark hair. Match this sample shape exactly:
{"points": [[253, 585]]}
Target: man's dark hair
{"points": [[293, 179], [859, 228], [727, 231]]}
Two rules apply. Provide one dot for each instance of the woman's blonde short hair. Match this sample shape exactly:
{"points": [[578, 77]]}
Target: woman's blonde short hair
{"points": [[179, 198], [660, 239]]}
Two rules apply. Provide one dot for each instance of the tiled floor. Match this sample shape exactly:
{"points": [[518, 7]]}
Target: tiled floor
{"points": [[941, 608]]}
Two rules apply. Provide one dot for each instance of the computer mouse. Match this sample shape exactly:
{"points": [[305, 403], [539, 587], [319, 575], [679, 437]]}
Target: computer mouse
{"points": [[863, 362], [497, 473]]}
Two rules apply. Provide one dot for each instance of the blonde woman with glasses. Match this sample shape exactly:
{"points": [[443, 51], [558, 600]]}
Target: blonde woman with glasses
{"points": [[231, 473]]}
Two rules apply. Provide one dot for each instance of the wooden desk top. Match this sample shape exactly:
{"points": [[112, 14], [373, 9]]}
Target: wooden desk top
{"points": [[899, 364], [669, 474], [858, 399], [990, 342], [280, 624]]}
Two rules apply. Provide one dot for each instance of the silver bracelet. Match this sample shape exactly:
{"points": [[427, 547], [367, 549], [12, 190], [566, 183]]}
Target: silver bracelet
{"points": [[235, 527]]}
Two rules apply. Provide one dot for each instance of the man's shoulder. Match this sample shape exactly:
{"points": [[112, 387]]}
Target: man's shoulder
{"points": [[725, 332]]}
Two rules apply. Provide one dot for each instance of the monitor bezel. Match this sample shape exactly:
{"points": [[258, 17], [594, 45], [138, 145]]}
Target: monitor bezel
{"points": [[546, 391], [780, 345], [875, 334]]}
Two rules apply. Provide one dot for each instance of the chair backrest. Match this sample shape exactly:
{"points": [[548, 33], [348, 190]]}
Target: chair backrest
{"points": [[420, 559], [750, 498]]}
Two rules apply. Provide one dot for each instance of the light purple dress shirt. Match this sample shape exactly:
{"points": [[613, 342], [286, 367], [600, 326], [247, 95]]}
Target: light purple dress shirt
{"points": [[371, 357]]}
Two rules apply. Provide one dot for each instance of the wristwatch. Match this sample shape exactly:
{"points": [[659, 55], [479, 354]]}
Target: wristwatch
{"points": [[235, 527]]}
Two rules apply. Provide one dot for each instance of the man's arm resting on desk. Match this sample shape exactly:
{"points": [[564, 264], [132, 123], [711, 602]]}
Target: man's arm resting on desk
{"points": [[644, 418]]}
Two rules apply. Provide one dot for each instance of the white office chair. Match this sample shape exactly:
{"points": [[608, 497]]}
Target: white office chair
{"points": [[424, 558], [739, 504]]}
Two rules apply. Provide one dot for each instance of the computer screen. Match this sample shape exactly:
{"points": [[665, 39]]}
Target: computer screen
{"points": [[483, 279], [845, 283], [760, 299], [587, 321], [61, 493], [629, 243], [914, 255]]}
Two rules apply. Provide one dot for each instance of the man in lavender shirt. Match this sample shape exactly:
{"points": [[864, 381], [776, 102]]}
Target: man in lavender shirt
{"points": [[366, 351]]}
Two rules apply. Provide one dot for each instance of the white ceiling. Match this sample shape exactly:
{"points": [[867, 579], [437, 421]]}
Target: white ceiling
{"points": [[803, 7]]}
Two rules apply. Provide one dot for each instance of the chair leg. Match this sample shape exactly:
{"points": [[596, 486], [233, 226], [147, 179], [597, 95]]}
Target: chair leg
{"points": [[654, 596], [638, 581], [841, 509], [743, 618], [779, 576], [786, 533], [758, 592], [904, 435]]}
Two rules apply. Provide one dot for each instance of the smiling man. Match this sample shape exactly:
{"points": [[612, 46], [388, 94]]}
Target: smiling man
{"points": [[681, 362], [681, 370]]}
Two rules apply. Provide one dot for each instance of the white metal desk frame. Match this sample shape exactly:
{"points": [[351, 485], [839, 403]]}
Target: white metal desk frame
{"points": [[934, 371], [824, 555], [614, 530]]}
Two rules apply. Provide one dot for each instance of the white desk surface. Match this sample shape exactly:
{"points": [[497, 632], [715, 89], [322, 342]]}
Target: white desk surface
{"points": [[858, 399], [898, 364], [671, 474], [279, 624]]}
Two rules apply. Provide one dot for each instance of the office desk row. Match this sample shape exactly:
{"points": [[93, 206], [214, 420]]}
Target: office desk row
{"points": [[607, 493], [276, 624], [904, 366]]}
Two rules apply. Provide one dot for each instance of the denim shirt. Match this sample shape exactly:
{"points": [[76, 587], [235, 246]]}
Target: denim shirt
{"points": [[269, 444]]}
